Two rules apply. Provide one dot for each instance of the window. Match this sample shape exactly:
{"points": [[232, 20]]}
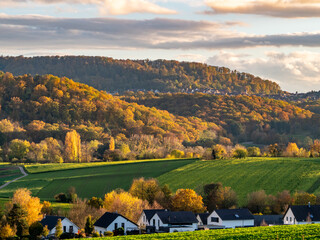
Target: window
{"points": [[287, 219], [122, 225], [115, 226], [154, 222], [158, 222], [64, 229], [290, 219], [71, 229], [214, 219]]}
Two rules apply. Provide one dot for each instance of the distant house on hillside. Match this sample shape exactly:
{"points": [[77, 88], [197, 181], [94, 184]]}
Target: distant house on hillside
{"points": [[113, 221], [230, 218], [146, 215], [67, 225], [302, 214], [267, 220], [167, 221]]}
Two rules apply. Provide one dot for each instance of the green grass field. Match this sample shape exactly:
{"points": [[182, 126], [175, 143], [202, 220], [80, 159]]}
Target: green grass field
{"points": [[248, 175], [89, 179], [303, 232], [8, 172]]}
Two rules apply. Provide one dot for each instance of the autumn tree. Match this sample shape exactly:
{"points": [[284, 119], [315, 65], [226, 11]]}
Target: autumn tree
{"points": [[218, 197], [219, 151], [303, 198], [72, 147], [6, 231], [257, 201], [59, 230], [145, 189], [18, 149], [125, 204], [239, 152], [292, 150], [187, 200], [254, 151], [17, 218], [31, 205]]}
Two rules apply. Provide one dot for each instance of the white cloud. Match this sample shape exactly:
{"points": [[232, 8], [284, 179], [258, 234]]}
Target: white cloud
{"points": [[296, 71], [274, 8], [111, 7]]}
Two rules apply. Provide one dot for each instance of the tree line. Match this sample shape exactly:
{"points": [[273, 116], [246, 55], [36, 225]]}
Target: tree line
{"points": [[120, 75]]}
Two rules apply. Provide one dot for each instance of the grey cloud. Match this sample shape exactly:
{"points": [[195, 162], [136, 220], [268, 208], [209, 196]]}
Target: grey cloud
{"points": [[94, 33]]}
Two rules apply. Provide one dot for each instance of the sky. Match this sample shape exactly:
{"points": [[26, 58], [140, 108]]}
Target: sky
{"points": [[277, 40]]}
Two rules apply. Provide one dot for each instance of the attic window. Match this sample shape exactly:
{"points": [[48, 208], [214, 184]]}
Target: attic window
{"points": [[311, 216], [236, 215]]}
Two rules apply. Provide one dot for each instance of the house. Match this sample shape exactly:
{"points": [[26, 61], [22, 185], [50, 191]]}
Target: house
{"points": [[146, 215], [67, 225], [230, 218], [202, 218], [167, 221], [302, 214], [113, 221], [267, 220]]}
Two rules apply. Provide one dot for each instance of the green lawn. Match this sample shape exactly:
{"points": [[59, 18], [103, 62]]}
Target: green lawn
{"points": [[303, 232], [90, 179], [245, 176]]}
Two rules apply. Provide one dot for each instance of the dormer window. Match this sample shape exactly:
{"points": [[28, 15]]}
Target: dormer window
{"points": [[236, 215]]}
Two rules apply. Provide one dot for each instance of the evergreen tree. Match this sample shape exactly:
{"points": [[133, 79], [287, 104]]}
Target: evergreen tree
{"points": [[59, 231], [89, 226]]}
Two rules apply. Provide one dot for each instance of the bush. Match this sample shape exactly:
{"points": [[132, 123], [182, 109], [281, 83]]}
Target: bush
{"points": [[108, 234], [61, 197], [240, 153], [95, 234], [254, 152]]}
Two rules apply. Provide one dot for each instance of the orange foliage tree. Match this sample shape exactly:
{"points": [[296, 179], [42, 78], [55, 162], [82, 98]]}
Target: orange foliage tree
{"points": [[187, 200]]}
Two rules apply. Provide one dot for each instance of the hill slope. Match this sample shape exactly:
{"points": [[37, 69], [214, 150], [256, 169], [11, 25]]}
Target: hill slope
{"points": [[120, 75], [245, 118], [64, 103], [245, 176]]}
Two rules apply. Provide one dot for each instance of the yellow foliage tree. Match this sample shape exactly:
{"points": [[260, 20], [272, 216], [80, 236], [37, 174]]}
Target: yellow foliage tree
{"points": [[125, 204], [6, 232], [28, 203], [187, 200], [145, 189], [292, 150], [73, 147], [111, 144]]}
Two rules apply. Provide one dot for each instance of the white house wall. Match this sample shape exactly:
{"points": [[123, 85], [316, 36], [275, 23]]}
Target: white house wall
{"points": [[158, 222], [229, 223], [128, 226], [66, 223], [142, 222], [289, 218]]}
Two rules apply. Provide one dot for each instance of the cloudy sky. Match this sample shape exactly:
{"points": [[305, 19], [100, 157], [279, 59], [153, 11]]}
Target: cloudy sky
{"points": [[275, 39]]}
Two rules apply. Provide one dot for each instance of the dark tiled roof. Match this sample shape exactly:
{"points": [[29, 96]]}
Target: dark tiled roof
{"points": [[107, 218], [301, 212], [204, 217], [182, 218], [234, 214], [150, 212], [50, 221], [269, 219]]}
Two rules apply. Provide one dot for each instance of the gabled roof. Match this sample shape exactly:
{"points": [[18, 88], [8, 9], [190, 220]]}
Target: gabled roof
{"points": [[301, 212], [50, 221], [234, 214], [150, 212], [204, 217], [269, 219], [107, 218], [182, 218]]}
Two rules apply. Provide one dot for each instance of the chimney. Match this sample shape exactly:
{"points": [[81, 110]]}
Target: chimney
{"points": [[309, 204]]}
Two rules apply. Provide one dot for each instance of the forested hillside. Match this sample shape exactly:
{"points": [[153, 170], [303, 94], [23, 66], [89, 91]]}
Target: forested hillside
{"points": [[244, 118], [60, 103], [119, 75]]}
